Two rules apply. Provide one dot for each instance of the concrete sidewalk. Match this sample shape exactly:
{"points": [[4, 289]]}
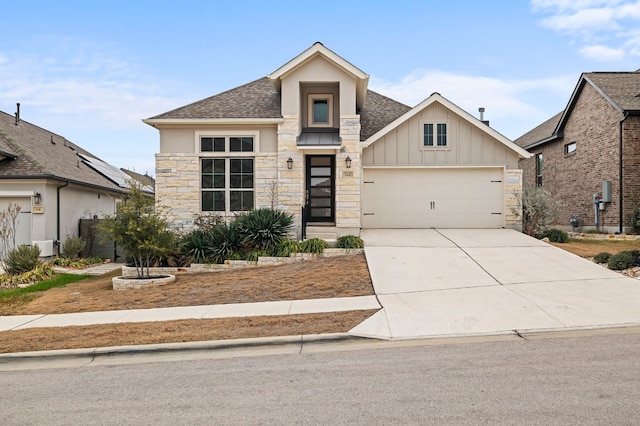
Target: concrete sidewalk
{"points": [[457, 282], [287, 307]]}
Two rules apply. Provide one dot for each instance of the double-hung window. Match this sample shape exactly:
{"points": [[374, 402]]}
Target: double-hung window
{"points": [[434, 134], [227, 173]]}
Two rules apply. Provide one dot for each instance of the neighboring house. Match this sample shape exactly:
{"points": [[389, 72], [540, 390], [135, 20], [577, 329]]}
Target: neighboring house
{"points": [[146, 182], [311, 135], [54, 181], [589, 154]]}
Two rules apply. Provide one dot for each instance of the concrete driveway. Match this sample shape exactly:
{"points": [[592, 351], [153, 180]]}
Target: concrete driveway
{"points": [[450, 282]]}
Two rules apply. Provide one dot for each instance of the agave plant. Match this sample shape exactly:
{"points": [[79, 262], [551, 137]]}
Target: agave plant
{"points": [[264, 229], [197, 245], [226, 240]]}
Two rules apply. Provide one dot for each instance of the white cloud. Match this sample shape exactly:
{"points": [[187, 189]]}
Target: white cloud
{"points": [[84, 80], [605, 28], [511, 105], [602, 53]]}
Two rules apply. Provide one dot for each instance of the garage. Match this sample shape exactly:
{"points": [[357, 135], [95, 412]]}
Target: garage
{"points": [[433, 197]]}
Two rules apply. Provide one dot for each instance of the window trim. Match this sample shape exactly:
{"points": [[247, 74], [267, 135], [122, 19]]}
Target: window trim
{"points": [[320, 96], [570, 145], [255, 134], [435, 124], [227, 155], [539, 159]]}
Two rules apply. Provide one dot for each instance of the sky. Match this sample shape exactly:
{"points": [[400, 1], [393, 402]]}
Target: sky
{"points": [[92, 70]]}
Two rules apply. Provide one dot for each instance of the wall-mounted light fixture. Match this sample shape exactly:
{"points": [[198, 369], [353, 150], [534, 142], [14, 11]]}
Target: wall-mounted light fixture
{"points": [[348, 162], [37, 198], [290, 163]]}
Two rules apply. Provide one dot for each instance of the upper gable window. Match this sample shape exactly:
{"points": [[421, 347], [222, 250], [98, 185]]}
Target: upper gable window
{"points": [[320, 110], [434, 135]]}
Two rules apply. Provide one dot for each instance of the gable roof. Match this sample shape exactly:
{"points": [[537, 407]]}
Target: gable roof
{"points": [[318, 49], [436, 97], [620, 89], [541, 134], [40, 154], [259, 100]]}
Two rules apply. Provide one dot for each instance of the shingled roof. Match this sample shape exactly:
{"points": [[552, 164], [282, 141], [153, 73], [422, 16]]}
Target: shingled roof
{"points": [[259, 99], [622, 88], [38, 153], [377, 112], [540, 133]]}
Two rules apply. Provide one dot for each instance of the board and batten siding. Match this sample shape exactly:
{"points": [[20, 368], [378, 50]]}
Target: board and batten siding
{"points": [[466, 144]]}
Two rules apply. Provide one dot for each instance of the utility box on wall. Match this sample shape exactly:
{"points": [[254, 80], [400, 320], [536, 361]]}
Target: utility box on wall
{"points": [[606, 191]]}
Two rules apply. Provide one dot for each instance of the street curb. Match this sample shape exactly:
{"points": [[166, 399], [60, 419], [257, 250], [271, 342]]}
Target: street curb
{"points": [[92, 353]]}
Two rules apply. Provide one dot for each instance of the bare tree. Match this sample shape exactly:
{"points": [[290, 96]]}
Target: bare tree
{"points": [[8, 226]]}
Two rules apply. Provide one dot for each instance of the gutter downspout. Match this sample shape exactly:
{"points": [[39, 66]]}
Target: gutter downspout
{"points": [[58, 216], [621, 213]]}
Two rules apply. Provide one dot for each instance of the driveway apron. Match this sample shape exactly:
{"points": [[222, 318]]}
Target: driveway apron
{"points": [[449, 282]]}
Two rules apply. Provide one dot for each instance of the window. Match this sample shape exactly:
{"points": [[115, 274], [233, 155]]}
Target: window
{"points": [[538, 169], [227, 182], [320, 110], [570, 148], [434, 134]]}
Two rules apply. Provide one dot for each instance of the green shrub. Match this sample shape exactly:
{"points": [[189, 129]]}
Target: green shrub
{"points": [[72, 247], [40, 272], [225, 240], [620, 261], [197, 245], [557, 235], [602, 257], [264, 229], [350, 242], [253, 256], [286, 248], [22, 259], [83, 262], [313, 245]]}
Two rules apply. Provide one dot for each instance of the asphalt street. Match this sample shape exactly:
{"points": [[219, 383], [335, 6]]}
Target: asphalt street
{"points": [[585, 380]]}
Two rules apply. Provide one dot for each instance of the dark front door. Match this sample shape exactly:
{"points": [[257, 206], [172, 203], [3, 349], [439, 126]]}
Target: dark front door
{"points": [[321, 188]]}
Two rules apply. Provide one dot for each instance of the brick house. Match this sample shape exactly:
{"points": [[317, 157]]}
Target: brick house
{"points": [[589, 154], [311, 139]]}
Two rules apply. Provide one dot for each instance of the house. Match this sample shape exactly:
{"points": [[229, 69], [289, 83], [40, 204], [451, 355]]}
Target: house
{"points": [[311, 139], [54, 181], [588, 155]]}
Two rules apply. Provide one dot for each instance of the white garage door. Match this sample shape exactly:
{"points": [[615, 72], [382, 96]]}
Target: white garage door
{"points": [[433, 198]]}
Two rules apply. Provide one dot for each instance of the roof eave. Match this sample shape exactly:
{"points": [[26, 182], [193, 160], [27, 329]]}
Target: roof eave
{"points": [[73, 181], [543, 141], [199, 121]]}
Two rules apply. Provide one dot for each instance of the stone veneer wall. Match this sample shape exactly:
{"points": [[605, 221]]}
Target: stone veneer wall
{"points": [[291, 191], [348, 180], [513, 191], [178, 186]]}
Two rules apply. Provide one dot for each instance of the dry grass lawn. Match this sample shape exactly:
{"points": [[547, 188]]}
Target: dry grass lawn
{"points": [[342, 276], [589, 248]]}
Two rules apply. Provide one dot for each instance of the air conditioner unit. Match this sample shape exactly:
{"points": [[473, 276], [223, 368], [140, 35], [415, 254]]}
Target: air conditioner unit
{"points": [[46, 247]]}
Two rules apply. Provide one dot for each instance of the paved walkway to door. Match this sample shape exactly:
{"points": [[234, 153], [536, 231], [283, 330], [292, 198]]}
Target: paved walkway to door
{"points": [[451, 282]]}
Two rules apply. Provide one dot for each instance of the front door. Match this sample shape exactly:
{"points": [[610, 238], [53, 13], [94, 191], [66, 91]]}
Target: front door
{"points": [[320, 188]]}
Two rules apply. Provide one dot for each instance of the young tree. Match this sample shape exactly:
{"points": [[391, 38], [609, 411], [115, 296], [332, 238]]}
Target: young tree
{"points": [[539, 209], [8, 227], [139, 229]]}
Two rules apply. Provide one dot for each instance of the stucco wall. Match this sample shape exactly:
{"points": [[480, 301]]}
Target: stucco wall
{"points": [[466, 144], [185, 140], [317, 69]]}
